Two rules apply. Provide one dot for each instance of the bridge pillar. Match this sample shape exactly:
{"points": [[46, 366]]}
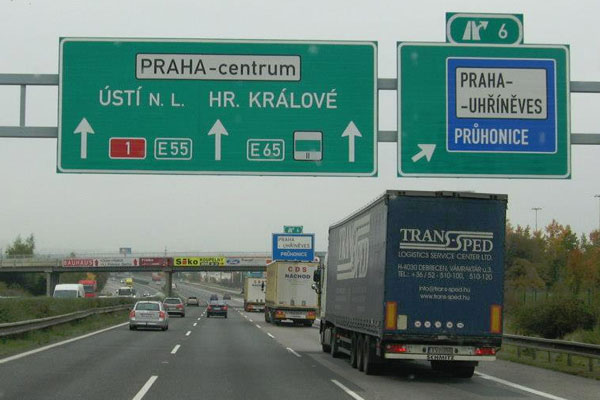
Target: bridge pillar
{"points": [[169, 283], [51, 282]]}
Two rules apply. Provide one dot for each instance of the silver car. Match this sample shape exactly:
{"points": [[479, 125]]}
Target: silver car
{"points": [[148, 314]]}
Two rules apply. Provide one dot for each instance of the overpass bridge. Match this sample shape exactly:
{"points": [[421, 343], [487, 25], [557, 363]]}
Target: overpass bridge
{"points": [[52, 266]]}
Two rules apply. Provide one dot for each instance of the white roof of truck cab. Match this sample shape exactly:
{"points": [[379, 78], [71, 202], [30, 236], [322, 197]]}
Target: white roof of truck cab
{"points": [[68, 286]]}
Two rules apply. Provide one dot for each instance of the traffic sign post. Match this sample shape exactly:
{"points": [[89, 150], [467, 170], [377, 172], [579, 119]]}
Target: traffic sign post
{"points": [[217, 107], [293, 247], [483, 111]]}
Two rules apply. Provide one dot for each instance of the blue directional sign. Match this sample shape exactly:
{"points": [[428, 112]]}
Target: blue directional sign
{"points": [[293, 247], [501, 105]]}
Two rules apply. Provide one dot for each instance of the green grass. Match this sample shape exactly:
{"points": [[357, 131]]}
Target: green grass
{"points": [[31, 340], [24, 308], [558, 361]]}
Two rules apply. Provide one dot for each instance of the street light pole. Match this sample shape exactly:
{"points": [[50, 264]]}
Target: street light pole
{"points": [[598, 196], [536, 209]]}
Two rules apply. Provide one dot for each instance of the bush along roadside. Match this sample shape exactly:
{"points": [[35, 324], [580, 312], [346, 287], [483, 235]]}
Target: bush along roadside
{"points": [[21, 309], [31, 340]]}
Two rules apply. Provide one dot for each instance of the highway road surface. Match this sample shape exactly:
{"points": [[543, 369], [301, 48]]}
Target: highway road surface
{"points": [[242, 357]]}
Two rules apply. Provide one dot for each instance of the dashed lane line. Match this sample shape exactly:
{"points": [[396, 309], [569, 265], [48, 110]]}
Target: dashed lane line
{"points": [[293, 352], [348, 391], [145, 388], [188, 333], [270, 335], [175, 349]]}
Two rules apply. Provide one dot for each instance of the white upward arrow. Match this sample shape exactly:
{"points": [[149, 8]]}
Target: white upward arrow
{"points": [[351, 131], [218, 129], [83, 128], [426, 151]]}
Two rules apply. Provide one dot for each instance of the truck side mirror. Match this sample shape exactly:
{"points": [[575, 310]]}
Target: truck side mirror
{"points": [[262, 286], [317, 276]]}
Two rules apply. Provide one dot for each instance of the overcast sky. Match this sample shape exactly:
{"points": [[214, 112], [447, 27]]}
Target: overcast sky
{"points": [[213, 213]]}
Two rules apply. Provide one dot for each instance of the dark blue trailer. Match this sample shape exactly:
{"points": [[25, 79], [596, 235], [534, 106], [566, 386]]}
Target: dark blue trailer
{"points": [[416, 275]]}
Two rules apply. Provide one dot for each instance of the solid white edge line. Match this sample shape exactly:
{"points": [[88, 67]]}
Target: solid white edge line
{"points": [[145, 388], [348, 391], [520, 387], [188, 333], [258, 326], [293, 352], [175, 349], [271, 336], [50, 346]]}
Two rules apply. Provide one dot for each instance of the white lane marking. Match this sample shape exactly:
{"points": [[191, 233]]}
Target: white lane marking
{"points": [[188, 333], [145, 388], [293, 352], [271, 336], [250, 319], [195, 323], [50, 346], [175, 349], [258, 326], [198, 318], [348, 391], [520, 387]]}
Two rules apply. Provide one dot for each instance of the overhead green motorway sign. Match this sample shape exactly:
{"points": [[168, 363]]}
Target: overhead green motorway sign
{"points": [[217, 107], [483, 111], [494, 29]]}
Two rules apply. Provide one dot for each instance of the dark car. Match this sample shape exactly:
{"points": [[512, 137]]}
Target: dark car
{"points": [[174, 305], [216, 307], [226, 297], [214, 297]]}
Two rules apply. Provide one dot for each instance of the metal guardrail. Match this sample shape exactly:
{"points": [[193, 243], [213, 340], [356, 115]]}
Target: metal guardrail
{"points": [[14, 328], [589, 351]]}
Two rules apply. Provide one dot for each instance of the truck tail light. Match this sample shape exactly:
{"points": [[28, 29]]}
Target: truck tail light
{"points": [[161, 315], [279, 314], [132, 314], [395, 348], [485, 351], [209, 308], [496, 318], [225, 308], [391, 309], [311, 315]]}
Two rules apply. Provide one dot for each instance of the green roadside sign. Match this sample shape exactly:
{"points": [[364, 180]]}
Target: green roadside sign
{"points": [[493, 29], [483, 111], [292, 229], [217, 107]]}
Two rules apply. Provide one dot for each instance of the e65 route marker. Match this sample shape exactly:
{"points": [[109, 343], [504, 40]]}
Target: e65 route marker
{"points": [[223, 107]]}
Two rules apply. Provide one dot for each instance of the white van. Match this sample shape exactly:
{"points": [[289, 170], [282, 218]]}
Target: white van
{"points": [[69, 290]]}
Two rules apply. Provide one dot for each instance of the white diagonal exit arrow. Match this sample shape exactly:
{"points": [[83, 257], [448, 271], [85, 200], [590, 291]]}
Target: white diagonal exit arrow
{"points": [[426, 151], [83, 129], [351, 132], [218, 129]]}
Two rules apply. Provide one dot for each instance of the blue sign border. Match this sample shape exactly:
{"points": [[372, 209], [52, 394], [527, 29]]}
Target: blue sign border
{"points": [[543, 133], [293, 255]]}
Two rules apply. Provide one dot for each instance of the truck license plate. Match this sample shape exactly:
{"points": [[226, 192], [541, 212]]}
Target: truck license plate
{"points": [[440, 350]]}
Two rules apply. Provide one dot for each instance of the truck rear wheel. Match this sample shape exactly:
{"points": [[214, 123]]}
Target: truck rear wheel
{"points": [[353, 351], [463, 372], [360, 353], [334, 344], [369, 362], [267, 319], [325, 346]]}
